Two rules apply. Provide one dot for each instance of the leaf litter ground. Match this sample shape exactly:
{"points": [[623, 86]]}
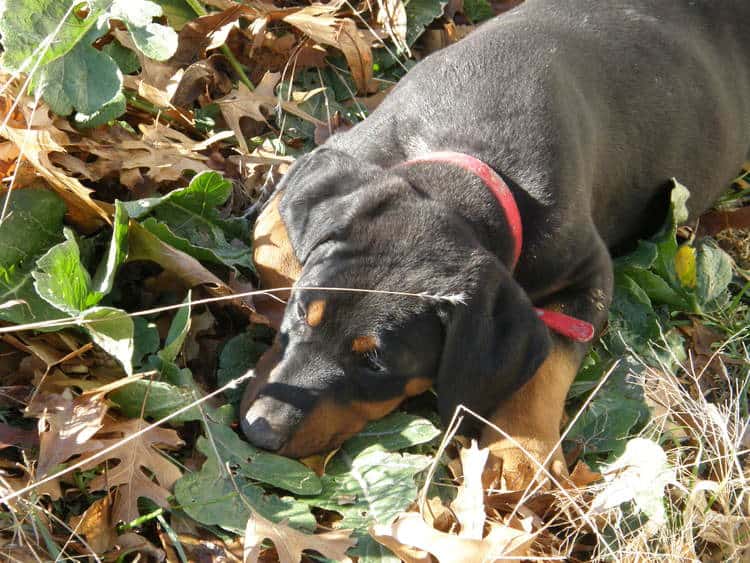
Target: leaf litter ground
{"points": [[137, 139]]}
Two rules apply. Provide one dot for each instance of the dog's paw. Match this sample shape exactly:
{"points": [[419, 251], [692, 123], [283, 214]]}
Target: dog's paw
{"points": [[514, 468]]}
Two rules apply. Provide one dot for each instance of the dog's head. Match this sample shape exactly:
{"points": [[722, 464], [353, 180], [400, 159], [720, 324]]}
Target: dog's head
{"points": [[342, 358]]}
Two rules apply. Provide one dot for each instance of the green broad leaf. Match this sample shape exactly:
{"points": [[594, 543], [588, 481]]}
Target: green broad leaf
{"points": [[214, 498], [632, 319], [657, 289], [642, 257], [188, 220], [239, 355], [178, 331], [397, 431], [713, 273], [226, 255], [145, 340], [85, 79], [62, 280], [33, 224], [373, 486], [19, 301], [126, 60], [113, 331], [104, 278], [156, 399], [666, 239], [36, 32], [108, 112], [178, 12], [368, 550], [478, 10], [420, 14], [156, 41], [252, 463], [613, 414]]}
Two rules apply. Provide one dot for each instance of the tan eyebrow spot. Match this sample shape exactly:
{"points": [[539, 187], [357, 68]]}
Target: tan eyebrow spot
{"points": [[315, 312], [363, 344]]}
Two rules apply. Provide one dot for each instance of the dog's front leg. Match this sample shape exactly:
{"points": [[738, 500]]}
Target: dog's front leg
{"points": [[533, 415], [531, 418]]}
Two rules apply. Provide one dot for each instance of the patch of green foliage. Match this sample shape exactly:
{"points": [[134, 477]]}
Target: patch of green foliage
{"points": [[656, 287], [55, 39]]}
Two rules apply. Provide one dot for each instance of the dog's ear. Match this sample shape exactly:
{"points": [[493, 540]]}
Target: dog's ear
{"points": [[494, 343], [320, 194]]}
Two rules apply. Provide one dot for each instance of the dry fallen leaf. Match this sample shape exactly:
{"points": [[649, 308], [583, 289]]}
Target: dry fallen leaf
{"points": [[392, 18], [12, 436], [319, 22], [409, 530], [246, 103], [161, 153], [141, 471], [131, 542], [468, 506], [412, 539], [156, 75], [582, 475], [96, 525], [290, 543], [36, 142], [66, 426]]}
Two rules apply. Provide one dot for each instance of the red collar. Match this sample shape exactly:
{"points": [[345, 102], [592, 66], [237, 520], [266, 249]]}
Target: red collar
{"points": [[575, 329]]}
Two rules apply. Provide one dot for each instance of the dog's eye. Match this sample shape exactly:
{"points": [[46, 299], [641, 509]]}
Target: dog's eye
{"points": [[301, 312], [372, 362]]}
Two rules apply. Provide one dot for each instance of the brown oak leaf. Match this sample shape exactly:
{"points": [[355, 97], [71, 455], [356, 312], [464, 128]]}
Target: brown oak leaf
{"points": [[36, 142], [66, 426], [244, 102], [320, 24], [290, 543], [140, 471]]}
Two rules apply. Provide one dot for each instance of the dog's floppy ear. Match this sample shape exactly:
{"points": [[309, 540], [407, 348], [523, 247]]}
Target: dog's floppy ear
{"points": [[320, 194], [494, 343]]}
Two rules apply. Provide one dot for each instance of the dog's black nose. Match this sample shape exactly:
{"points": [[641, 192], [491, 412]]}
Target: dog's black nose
{"points": [[260, 433]]}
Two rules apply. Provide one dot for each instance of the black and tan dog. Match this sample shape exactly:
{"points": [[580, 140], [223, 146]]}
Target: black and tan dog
{"points": [[563, 122]]}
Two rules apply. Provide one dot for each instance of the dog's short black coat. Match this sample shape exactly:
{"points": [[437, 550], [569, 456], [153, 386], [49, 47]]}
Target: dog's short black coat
{"points": [[587, 109]]}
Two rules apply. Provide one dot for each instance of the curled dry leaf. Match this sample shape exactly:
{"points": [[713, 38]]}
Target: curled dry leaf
{"points": [[157, 75], [96, 525], [131, 542], [12, 436], [66, 426], [468, 506], [246, 103], [319, 23], [163, 153], [583, 476], [36, 142], [141, 470], [408, 531], [392, 19], [290, 543]]}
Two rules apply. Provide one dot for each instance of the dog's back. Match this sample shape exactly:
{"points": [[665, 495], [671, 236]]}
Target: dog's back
{"points": [[584, 95]]}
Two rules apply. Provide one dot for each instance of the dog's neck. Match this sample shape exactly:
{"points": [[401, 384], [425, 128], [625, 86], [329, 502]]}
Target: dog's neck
{"points": [[464, 192], [505, 209]]}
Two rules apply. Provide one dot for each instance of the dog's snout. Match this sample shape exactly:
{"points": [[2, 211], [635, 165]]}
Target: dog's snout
{"points": [[268, 422], [261, 433]]}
